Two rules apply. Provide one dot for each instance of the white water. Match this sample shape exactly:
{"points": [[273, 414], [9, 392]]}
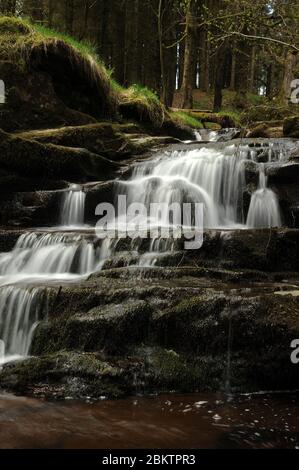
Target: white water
{"points": [[73, 207], [213, 176], [210, 176], [19, 314], [264, 208], [48, 257], [37, 258], [206, 135], [42, 258]]}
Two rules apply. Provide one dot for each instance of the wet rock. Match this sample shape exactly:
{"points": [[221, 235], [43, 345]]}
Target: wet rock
{"points": [[96, 194], [177, 339], [259, 131], [291, 127], [251, 173], [68, 374], [283, 173], [28, 209], [174, 129], [8, 239], [113, 141], [288, 195], [266, 250], [112, 329], [45, 162], [271, 129]]}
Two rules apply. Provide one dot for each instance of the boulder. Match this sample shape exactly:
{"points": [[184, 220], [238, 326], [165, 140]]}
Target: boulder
{"points": [[111, 140], [259, 131], [283, 173], [119, 334], [49, 82], [29, 209], [291, 127], [42, 163]]}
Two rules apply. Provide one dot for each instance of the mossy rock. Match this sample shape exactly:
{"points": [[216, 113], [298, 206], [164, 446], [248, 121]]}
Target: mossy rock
{"points": [[45, 162], [259, 131], [52, 83], [111, 140], [66, 374], [112, 328], [261, 113], [141, 105], [291, 127]]}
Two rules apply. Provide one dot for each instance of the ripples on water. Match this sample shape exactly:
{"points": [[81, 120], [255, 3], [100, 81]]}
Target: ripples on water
{"points": [[207, 421]]}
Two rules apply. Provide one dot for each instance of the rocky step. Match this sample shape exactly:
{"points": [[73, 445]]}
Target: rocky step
{"points": [[168, 339]]}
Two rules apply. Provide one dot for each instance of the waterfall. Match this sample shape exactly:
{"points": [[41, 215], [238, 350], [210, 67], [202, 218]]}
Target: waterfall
{"points": [[37, 258], [214, 176], [20, 311], [73, 208], [264, 208], [48, 257], [206, 135], [209, 175]]}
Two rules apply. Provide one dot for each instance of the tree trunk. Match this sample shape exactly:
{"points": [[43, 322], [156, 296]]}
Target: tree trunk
{"points": [[288, 77], [204, 61], [219, 77], [252, 70], [232, 85], [8, 7], [161, 52], [132, 67], [69, 16], [50, 13], [187, 85]]}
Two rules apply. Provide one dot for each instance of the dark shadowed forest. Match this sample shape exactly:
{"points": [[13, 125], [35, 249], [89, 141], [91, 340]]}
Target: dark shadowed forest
{"points": [[181, 45]]}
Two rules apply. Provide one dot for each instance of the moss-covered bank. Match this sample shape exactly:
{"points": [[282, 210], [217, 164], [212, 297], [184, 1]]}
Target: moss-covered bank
{"points": [[118, 335]]}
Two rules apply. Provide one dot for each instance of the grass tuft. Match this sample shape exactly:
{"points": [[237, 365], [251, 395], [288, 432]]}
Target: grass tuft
{"points": [[186, 119], [14, 26], [142, 104], [86, 49]]}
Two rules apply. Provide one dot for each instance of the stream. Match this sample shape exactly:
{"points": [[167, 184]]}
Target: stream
{"points": [[205, 421], [70, 252]]}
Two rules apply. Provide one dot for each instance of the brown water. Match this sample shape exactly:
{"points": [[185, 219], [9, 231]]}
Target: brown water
{"points": [[170, 421]]}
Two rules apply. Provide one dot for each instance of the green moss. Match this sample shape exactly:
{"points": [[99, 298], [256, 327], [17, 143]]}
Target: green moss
{"points": [[186, 119], [168, 370], [84, 48], [266, 112], [95, 92], [34, 160], [13, 26], [234, 115], [143, 105]]}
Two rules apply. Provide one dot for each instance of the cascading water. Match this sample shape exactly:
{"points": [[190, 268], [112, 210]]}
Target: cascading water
{"points": [[20, 311], [214, 176], [50, 257], [37, 259], [206, 135], [73, 207], [264, 208]]}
